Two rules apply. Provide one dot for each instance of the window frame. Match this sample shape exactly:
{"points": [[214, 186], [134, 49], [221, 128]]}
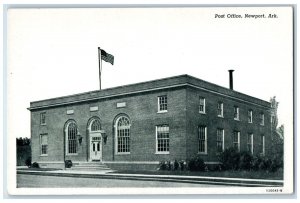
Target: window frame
{"points": [[157, 140], [43, 118], [223, 141], [205, 140], [251, 143], [262, 119], [221, 109], [41, 145], [117, 152], [238, 141], [159, 104], [262, 145], [250, 116], [67, 139], [204, 105], [237, 113]]}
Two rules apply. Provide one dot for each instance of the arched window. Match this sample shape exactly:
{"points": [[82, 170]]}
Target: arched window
{"points": [[71, 138], [123, 135], [95, 125]]}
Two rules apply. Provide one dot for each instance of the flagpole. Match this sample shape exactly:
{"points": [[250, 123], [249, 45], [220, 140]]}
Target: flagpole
{"points": [[100, 65]]}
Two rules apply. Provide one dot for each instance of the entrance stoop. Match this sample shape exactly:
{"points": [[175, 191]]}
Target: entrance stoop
{"points": [[90, 166]]}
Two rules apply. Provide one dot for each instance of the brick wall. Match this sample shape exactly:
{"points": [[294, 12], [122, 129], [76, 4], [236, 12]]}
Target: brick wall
{"points": [[212, 121], [183, 118], [142, 111]]}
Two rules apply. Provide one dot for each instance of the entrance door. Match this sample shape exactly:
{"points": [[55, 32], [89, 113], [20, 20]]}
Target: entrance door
{"points": [[96, 147]]}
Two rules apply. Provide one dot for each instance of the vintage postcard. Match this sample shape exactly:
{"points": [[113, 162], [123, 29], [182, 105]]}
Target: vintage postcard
{"points": [[150, 100]]}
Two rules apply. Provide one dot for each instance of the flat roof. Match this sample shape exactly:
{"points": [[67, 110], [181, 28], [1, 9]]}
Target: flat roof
{"points": [[148, 86]]}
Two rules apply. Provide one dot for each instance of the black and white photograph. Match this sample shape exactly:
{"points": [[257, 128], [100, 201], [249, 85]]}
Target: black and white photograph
{"points": [[150, 100]]}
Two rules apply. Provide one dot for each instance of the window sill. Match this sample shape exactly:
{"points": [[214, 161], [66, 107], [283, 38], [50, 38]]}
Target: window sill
{"points": [[250, 122], [165, 111], [43, 124], [122, 153], [236, 119], [261, 125], [202, 112], [71, 154], [220, 116], [44, 155], [162, 152], [202, 153]]}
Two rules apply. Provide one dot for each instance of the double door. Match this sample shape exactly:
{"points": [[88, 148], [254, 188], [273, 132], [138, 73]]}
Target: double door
{"points": [[96, 147]]}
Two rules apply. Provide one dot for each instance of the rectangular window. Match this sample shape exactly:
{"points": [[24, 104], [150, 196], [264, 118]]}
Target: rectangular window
{"points": [[44, 144], [236, 140], [262, 145], [162, 139], [43, 118], [201, 105], [220, 140], [202, 139], [250, 116], [262, 119], [162, 103], [236, 113], [220, 109], [250, 143]]}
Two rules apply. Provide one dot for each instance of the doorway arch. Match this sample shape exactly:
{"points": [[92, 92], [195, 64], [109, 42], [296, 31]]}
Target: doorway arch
{"points": [[94, 140]]}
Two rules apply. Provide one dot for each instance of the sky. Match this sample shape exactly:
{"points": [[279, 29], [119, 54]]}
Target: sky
{"points": [[53, 52]]}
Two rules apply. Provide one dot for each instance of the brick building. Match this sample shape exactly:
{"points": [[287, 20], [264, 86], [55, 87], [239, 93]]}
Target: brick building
{"points": [[144, 123]]}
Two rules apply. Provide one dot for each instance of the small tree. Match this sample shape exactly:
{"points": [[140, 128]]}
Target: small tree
{"points": [[245, 161]]}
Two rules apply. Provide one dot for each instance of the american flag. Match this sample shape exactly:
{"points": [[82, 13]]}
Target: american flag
{"points": [[107, 57]]}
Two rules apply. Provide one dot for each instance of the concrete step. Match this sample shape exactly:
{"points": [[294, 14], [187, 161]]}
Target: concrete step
{"points": [[93, 166]]}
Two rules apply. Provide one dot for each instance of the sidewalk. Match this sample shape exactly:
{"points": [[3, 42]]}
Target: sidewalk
{"points": [[110, 174]]}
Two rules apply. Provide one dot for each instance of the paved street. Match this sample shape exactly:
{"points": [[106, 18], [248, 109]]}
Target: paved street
{"points": [[31, 181]]}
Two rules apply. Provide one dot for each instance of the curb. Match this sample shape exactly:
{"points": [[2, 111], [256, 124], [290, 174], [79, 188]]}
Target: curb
{"points": [[164, 178]]}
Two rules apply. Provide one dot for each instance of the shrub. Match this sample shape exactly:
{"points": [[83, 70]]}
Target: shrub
{"points": [[176, 165], [35, 165], [256, 163], [230, 159], [68, 163], [196, 164], [182, 165], [277, 162], [28, 162], [172, 166], [274, 166], [168, 165], [162, 165], [265, 164], [245, 161], [214, 167]]}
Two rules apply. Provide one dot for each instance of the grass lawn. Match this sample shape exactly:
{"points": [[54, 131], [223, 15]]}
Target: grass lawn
{"points": [[226, 174]]}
